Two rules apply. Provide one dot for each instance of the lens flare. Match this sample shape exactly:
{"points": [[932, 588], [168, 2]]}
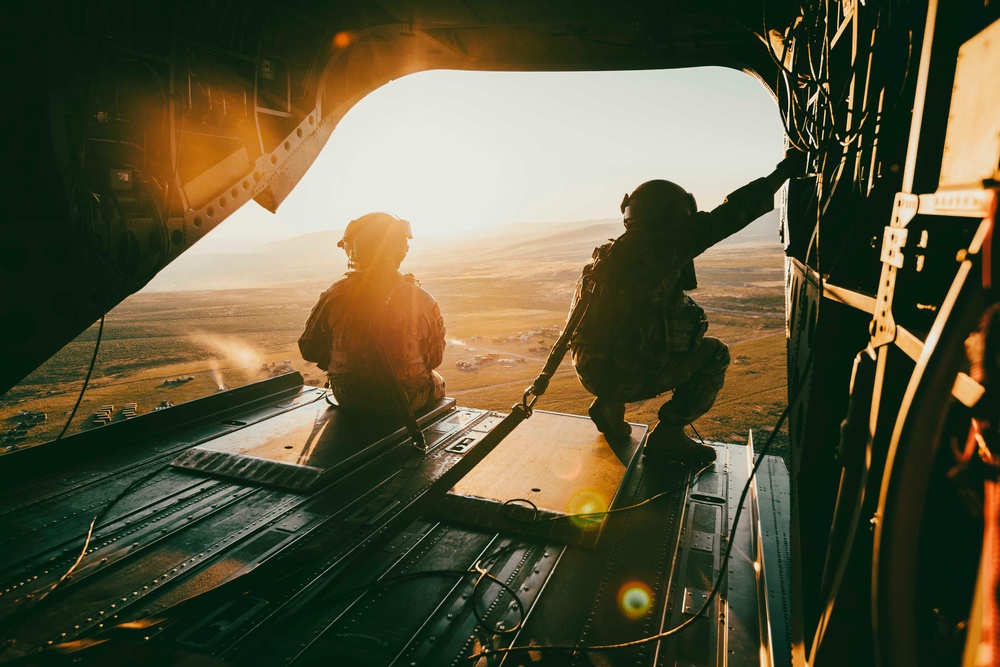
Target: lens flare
{"points": [[589, 504], [342, 40], [635, 599]]}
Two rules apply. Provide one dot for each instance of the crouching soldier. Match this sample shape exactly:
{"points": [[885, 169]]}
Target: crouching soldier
{"points": [[375, 331], [642, 335]]}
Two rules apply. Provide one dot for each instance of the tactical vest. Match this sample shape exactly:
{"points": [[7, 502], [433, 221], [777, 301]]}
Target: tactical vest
{"points": [[371, 313], [638, 310]]}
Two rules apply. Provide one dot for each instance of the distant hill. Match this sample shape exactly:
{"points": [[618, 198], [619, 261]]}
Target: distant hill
{"points": [[552, 248], [314, 245], [761, 230], [545, 248]]}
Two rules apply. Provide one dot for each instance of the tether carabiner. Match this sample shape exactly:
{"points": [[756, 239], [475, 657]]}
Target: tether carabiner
{"points": [[529, 404]]}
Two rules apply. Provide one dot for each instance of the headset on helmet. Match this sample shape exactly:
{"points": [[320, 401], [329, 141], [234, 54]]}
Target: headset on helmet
{"points": [[657, 201], [376, 237]]}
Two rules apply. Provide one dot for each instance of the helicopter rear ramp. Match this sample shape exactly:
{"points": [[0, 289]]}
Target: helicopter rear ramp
{"points": [[362, 569]]}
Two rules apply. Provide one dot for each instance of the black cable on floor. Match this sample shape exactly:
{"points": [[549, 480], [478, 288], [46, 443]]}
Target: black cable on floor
{"points": [[592, 515], [487, 653], [22, 614], [86, 380]]}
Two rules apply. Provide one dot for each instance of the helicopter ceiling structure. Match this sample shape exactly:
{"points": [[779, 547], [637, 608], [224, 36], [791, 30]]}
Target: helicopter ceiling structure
{"points": [[141, 126], [150, 123]]}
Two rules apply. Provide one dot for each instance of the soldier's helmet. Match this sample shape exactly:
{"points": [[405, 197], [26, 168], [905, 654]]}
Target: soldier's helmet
{"points": [[376, 239], [657, 202]]}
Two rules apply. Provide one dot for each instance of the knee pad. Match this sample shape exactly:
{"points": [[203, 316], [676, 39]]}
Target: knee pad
{"points": [[720, 357]]}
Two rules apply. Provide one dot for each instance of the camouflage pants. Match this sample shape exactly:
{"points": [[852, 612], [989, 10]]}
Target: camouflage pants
{"points": [[383, 403], [695, 377], [429, 393]]}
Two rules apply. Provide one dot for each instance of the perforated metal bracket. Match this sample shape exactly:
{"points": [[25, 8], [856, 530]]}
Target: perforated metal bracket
{"points": [[957, 203], [904, 209], [893, 241], [883, 327]]}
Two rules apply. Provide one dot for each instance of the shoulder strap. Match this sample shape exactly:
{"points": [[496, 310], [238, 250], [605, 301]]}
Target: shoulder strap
{"points": [[399, 394], [587, 286]]}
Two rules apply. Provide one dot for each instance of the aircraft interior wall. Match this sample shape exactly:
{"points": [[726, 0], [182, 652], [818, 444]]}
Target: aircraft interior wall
{"points": [[141, 126]]}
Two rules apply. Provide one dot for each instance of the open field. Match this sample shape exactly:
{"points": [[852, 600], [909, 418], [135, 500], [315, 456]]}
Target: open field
{"points": [[507, 304]]}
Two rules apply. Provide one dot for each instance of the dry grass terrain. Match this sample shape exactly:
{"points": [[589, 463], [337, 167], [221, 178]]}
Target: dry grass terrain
{"points": [[492, 300]]}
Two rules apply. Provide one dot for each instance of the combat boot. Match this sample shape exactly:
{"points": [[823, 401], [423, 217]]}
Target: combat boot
{"points": [[668, 443], [609, 418]]}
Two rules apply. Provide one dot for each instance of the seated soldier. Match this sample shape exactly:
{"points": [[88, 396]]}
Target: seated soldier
{"points": [[375, 331], [642, 335]]}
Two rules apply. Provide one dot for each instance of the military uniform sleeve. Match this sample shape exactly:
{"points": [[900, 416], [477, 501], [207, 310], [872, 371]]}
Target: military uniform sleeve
{"points": [[703, 230], [314, 343]]}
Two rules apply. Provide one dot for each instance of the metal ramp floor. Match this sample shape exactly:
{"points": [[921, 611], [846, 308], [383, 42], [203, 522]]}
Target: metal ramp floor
{"points": [[189, 568]]}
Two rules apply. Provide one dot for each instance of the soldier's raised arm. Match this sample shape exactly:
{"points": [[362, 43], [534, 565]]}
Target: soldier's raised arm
{"points": [[743, 205]]}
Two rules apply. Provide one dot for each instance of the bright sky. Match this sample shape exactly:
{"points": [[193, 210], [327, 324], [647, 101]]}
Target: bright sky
{"points": [[461, 150]]}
